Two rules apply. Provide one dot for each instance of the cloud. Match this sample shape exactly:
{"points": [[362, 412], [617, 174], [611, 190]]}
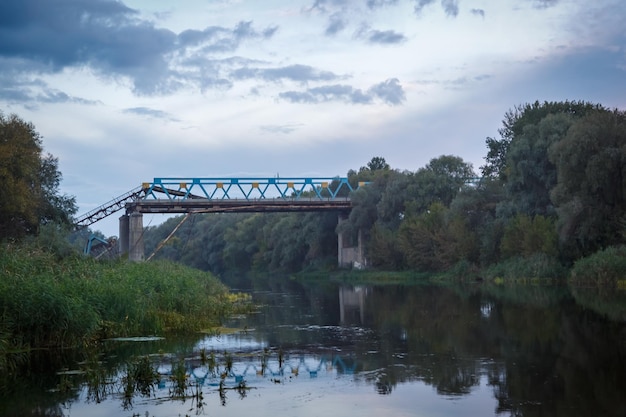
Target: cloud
{"points": [[113, 40], [478, 12], [450, 7], [56, 96], [420, 4], [544, 4], [389, 91], [325, 6], [150, 113], [221, 39], [374, 4], [385, 37], [335, 25], [17, 87], [299, 73], [456, 83], [284, 129]]}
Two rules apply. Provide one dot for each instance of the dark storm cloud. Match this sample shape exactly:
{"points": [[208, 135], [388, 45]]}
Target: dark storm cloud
{"points": [[299, 73], [112, 39], [390, 92]]}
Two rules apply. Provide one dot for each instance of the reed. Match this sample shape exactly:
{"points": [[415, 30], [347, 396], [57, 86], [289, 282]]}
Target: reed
{"points": [[50, 302]]}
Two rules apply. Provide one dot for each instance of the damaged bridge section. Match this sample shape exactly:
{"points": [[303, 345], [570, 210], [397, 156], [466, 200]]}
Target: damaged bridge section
{"points": [[222, 195]]}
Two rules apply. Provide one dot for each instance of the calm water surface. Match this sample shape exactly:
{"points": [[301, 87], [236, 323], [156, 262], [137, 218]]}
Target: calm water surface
{"points": [[320, 350]]}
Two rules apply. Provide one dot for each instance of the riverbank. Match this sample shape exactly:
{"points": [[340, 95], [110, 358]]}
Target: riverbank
{"points": [[605, 269], [51, 302]]}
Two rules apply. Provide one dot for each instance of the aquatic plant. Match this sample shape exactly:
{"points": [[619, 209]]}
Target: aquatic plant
{"points": [[180, 380], [264, 360], [140, 377], [228, 362]]}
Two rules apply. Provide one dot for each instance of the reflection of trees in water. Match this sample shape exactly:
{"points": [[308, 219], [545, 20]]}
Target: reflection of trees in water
{"points": [[541, 354]]}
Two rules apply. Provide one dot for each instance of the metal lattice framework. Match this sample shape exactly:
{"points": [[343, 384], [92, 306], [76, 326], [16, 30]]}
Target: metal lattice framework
{"points": [[249, 189], [108, 208], [184, 195]]}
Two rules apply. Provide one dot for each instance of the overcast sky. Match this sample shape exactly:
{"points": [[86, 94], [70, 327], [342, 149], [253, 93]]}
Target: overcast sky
{"points": [[125, 91]]}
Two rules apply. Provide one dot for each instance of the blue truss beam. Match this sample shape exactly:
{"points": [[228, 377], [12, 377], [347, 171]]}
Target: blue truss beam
{"points": [[290, 188]]}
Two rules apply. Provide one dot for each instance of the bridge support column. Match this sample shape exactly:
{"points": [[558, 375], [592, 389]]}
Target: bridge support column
{"points": [[124, 235], [135, 237], [349, 255]]}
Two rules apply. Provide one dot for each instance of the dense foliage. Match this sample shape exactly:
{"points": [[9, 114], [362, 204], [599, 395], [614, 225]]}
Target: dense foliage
{"points": [[29, 196], [551, 192]]}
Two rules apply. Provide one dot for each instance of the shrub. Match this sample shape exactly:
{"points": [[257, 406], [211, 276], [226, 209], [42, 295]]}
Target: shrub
{"points": [[534, 267], [604, 268]]}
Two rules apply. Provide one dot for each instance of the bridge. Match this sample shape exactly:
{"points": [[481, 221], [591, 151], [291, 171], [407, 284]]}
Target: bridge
{"points": [[186, 195]]}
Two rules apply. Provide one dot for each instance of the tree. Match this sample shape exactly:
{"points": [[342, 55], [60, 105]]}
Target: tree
{"points": [[436, 239], [530, 173], [526, 236], [513, 125], [377, 163], [439, 181], [29, 195], [590, 195]]}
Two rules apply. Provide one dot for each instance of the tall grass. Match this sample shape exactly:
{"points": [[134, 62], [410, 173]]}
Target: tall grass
{"points": [[46, 301]]}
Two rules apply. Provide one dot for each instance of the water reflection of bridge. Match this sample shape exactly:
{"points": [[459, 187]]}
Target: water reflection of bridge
{"points": [[260, 367]]}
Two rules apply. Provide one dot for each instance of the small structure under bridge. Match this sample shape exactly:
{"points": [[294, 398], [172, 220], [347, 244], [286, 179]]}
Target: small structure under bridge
{"points": [[222, 195]]}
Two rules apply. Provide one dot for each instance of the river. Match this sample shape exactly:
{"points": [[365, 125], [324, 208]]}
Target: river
{"points": [[327, 349]]}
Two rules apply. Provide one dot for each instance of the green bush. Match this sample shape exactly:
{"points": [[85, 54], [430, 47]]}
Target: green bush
{"points": [[604, 268]]}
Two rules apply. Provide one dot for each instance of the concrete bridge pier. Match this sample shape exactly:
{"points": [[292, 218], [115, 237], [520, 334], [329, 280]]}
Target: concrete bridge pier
{"points": [[349, 255], [135, 237], [131, 236], [123, 235]]}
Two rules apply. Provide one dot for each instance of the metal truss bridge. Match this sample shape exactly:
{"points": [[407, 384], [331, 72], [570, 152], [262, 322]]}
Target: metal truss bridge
{"points": [[204, 195]]}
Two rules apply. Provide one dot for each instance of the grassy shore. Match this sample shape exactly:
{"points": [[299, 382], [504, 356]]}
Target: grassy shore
{"points": [[50, 302]]}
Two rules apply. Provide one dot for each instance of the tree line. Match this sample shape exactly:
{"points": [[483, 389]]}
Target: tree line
{"points": [[549, 196], [550, 193]]}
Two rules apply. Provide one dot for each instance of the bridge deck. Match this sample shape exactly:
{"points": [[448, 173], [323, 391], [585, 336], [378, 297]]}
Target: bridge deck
{"points": [[203, 205]]}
